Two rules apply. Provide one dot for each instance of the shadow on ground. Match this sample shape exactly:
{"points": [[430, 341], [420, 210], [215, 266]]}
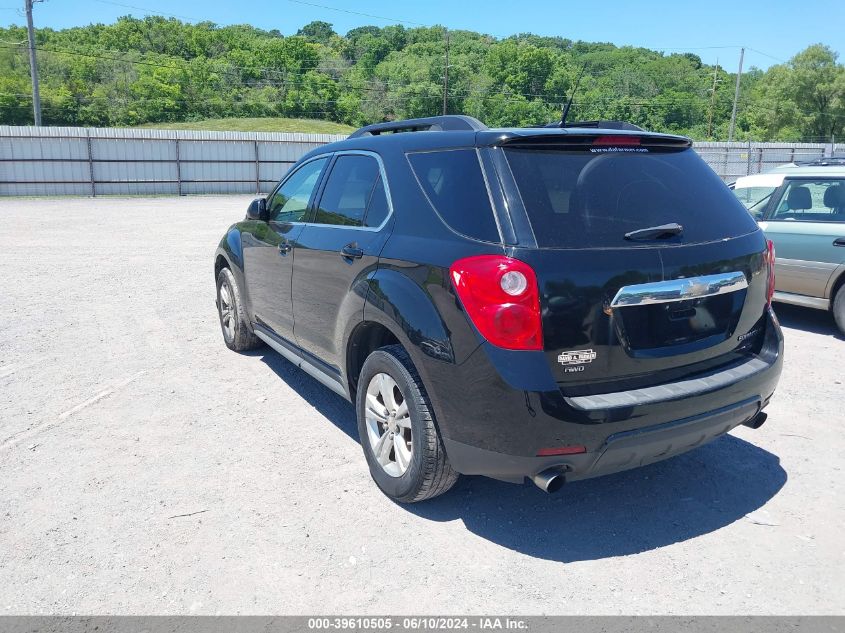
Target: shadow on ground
{"points": [[639, 510], [635, 511], [807, 319], [330, 405]]}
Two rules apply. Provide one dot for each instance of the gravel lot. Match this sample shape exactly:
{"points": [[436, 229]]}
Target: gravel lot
{"points": [[147, 469]]}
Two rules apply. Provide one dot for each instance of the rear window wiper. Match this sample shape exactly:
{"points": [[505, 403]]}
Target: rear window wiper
{"points": [[656, 232]]}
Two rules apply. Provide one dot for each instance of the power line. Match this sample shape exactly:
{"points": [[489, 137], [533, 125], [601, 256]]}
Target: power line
{"points": [[689, 48], [777, 59], [293, 77], [182, 64], [393, 100], [431, 92], [404, 91], [366, 15], [502, 36], [340, 64], [420, 24], [130, 6]]}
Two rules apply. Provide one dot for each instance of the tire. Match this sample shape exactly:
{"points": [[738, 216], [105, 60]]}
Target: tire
{"points": [[233, 320], [427, 472], [839, 308]]}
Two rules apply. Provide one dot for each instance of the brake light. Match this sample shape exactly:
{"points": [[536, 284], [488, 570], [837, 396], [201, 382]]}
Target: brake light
{"points": [[770, 263], [501, 298], [617, 140]]}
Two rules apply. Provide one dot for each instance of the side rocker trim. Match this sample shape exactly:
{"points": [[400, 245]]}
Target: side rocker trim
{"points": [[293, 354]]}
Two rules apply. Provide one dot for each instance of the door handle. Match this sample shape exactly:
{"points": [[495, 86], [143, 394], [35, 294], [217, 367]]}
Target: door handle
{"points": [[284, 248], [350, 251], [839, 241]]}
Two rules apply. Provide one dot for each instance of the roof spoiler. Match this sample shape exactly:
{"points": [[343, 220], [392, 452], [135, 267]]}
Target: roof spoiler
{"points": [[447, 123], [600, 138]]}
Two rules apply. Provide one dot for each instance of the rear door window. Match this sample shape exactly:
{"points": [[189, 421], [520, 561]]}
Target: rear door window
{"points": [[811, 201], [348, 191], [453, 183], [576, 198]]}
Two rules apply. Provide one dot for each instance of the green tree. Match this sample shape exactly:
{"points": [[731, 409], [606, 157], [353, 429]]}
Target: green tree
{"points": [[806, 95], [318, 32], [139, 70]]}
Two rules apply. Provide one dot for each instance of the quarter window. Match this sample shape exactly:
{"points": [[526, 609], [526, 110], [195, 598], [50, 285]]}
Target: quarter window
{"points": [[378, 208], [453, 182], [754, 198], [289, 202]]}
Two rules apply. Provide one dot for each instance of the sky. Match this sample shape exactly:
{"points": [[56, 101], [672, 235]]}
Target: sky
{"points": [[772, 31]]}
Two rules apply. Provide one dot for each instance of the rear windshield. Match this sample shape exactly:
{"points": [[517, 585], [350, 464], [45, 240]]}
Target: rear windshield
{"points": [[578, 199]]}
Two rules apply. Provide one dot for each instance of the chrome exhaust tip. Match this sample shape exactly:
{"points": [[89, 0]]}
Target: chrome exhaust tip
{"points": [[757, 421], [550, 480]]}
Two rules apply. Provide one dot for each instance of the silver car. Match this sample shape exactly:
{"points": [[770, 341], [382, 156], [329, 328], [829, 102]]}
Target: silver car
{"points": [[801, 208]]}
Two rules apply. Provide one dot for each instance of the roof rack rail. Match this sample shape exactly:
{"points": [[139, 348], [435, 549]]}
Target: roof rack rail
{"points": [[446, 123], [828, 161], [607, 125]]}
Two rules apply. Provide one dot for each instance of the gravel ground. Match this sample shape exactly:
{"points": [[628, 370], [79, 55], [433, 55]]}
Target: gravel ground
{"points": [[147, 469]]}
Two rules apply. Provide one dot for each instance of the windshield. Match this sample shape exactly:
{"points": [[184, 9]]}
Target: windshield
{"points": [[577, 198]]}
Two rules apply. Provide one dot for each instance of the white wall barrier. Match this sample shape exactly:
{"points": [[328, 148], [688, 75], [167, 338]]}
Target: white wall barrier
{"points": [[109, 161]]}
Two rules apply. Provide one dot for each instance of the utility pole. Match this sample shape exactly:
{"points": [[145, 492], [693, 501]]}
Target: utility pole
{"points": [[446, 74], [712, 101], [736, 96], [33, 69]]}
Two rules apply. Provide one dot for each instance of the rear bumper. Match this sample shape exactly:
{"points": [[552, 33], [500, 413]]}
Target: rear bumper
{"points": [[621, 451], [499, 430]]}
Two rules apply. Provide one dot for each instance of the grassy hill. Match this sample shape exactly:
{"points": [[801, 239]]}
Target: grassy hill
{"points": [[270, 124]]}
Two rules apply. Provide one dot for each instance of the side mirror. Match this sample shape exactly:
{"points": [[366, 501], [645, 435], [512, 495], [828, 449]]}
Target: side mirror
{"points": [[257, 209]]}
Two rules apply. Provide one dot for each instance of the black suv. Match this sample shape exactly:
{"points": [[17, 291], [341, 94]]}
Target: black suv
{"points": [[552, 303]]}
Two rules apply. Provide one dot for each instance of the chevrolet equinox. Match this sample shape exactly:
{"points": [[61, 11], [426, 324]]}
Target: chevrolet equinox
{"points": [[554, 303]]}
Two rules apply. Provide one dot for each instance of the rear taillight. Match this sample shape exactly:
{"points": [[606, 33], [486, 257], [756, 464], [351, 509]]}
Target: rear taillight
{"points": [[770, 264], [502, 300]]}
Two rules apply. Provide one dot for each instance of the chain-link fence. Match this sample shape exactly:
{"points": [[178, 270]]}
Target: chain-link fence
{"points": [[732, 160]]}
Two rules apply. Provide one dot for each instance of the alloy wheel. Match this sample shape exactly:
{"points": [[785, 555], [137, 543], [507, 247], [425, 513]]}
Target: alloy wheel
{"points": [[388, 425], [227, 311]]}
